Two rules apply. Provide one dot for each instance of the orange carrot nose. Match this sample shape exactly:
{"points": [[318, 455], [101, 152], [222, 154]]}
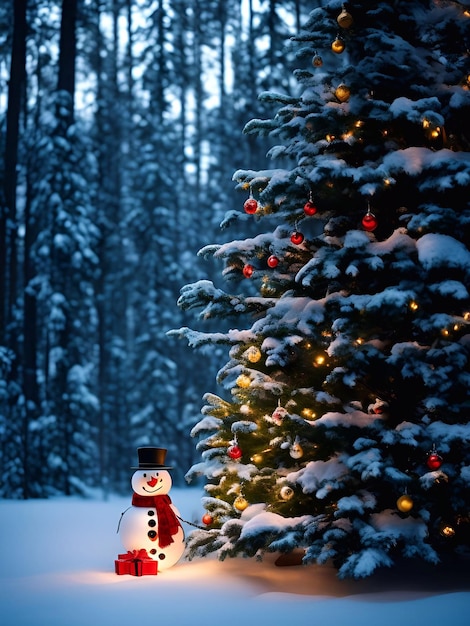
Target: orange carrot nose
{"points": [[152, 482]]}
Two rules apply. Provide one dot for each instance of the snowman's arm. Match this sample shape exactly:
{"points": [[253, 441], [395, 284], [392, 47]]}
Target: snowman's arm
{"points": [[120, 519]]}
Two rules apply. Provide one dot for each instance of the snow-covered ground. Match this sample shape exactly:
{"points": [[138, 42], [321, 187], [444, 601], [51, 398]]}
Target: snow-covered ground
{"points": [[57, 569]]}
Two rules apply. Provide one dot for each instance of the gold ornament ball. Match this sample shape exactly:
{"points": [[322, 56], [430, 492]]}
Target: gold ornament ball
{"points": [[338, 46], [342, 92], [345, 19], [254, 354], [257, 458], [405, 503], [240, 503]]}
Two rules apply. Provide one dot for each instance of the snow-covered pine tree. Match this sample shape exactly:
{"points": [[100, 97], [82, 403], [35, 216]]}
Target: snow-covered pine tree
{"points": [[344, 430]]}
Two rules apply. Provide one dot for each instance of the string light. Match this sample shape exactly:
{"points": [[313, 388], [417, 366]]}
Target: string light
{"points": [[243, 381]]}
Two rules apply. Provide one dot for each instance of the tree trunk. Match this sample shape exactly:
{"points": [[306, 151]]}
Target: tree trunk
{"points": [[8, 253], [68, 51]]}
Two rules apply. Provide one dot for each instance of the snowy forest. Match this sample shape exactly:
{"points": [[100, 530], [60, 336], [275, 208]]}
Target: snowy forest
{"points": [[121, 124]]}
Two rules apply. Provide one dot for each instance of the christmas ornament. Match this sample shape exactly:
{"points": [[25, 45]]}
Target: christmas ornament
{"points": [[250, 206], [267, 289], [317, 61], [405, 503], [152, 522], [309, 207], [338, 45], [434, 460], [369, 221], [286, 492], [296, 238], [380, 407], [344, 19], [257, 458], [234, 452], [207, 519], [342, 92], [253, 354], [248, 270], [273, 261], [240, 503], [295, 450], [278, 415]]}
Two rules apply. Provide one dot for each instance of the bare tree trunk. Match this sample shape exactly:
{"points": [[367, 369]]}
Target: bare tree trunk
{"points": [[68, 50], [8, 249]]}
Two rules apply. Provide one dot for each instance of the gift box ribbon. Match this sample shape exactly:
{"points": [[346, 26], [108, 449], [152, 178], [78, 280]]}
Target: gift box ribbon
{"points": [[136, 557]]}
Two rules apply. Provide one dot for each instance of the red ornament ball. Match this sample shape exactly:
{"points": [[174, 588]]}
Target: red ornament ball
{"points": [[310, 208], [369, 222], [434, 461], [273, 261], [248, 271], [234, 452], [250, 206], [296, 238], [207, 519]]}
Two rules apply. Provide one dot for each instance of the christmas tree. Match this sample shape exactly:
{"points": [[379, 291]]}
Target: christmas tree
{"points": [[343, 427]]}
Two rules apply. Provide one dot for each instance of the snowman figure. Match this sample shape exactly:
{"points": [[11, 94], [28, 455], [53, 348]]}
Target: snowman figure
{"points": [[152, 523]]}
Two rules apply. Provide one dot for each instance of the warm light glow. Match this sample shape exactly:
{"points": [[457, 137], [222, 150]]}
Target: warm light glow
{"points": [[359, 341], [319, 360], [330, 138], [308, 413], [413, 305], [243, 381], [447, 531], [445, 332]]}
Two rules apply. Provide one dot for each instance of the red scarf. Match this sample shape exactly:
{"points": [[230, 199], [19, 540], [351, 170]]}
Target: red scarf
{"points": [[168, 523]]}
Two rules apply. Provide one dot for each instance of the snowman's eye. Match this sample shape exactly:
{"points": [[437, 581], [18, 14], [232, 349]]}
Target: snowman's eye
{"points": [[145, 475]]}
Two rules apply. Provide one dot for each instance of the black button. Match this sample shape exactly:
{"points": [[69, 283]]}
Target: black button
{"points": [[152, 523], [152, 534], [151, 512], [153, 551], [161, 556]]}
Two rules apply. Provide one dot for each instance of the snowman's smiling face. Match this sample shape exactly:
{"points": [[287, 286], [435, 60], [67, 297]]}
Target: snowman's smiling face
{"points": [[151, 482]]}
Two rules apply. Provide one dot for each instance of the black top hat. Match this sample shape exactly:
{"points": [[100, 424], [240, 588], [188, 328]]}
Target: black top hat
{"points": [[151, 458]]}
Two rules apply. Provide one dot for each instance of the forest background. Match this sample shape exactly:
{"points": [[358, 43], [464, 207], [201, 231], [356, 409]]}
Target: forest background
{"points": [[121, 124]]}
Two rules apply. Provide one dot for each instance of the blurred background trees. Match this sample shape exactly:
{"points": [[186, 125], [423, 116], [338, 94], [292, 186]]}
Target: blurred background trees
{"points": [[120, 129]]}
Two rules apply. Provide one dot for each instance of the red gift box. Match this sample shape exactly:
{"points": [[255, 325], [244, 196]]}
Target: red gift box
{"points": [[136, 563]]}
